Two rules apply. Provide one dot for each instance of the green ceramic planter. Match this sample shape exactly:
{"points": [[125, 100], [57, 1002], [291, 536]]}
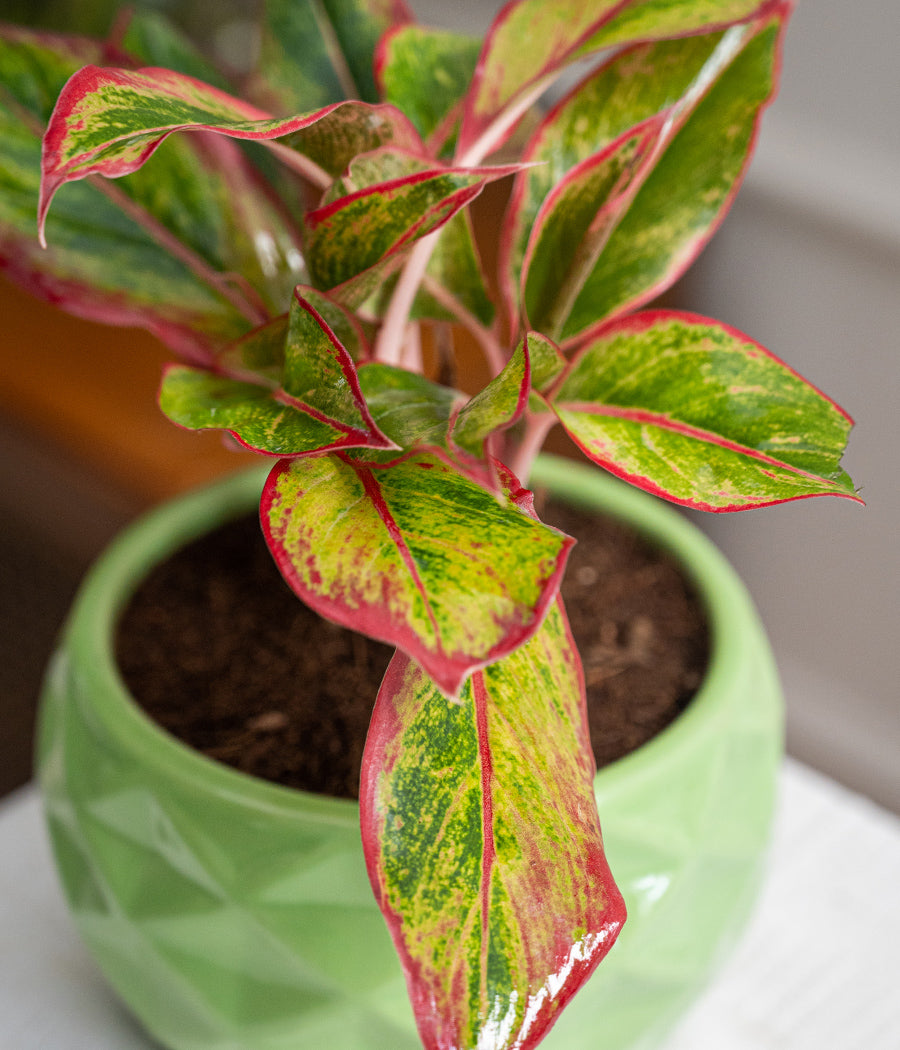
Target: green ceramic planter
{"points": [[232, 914]]}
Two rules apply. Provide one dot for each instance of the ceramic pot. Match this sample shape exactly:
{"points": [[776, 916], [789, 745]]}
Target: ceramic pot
{"points": [[233, 914]]}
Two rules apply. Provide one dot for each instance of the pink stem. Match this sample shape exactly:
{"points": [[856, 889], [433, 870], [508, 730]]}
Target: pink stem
{"points": [[389, 345], [536, 430]]}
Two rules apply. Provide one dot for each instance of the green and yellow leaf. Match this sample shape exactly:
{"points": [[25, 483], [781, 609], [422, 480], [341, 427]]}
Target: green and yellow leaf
{"points": [[628, 92], [110, 121], [689, 190], [426, 73], [373, 221], [159, 251], [697, 412], [316, 404], [483, 845], [527, 45], [417, 555]]}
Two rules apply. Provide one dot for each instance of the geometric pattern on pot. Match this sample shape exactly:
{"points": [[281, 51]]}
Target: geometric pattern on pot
{"points": [[229, 912]]}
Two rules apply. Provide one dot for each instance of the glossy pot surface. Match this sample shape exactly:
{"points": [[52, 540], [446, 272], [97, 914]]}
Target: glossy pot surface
{"points": [[234, 914]]}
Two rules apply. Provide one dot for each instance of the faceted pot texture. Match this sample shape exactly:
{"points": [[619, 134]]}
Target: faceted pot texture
{"points": [[233, 914]]}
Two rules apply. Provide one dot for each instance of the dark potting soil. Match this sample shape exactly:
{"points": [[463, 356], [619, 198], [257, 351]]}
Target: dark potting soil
{"points": [[220, 652]]}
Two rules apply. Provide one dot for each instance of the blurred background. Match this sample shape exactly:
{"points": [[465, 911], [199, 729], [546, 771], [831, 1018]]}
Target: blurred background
{"points": [[808, 263]]}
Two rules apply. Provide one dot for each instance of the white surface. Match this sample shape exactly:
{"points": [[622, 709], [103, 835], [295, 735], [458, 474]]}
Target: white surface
{"points": [[817, 969]]}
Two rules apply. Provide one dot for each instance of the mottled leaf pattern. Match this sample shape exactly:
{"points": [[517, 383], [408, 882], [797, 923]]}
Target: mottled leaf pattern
{"points": [[499, 917], [110, 121], [162, 250], [279, 249], [576, 222], [547, 360], [688, 192], [626, 92], [655, 19], [317, 405], [352, 233], [426, 73], [529, 41], [699, 413], [416, 555], [497, 406], [260, 418]]}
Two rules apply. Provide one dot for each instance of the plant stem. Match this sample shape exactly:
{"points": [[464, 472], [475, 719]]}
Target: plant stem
{"points": [[389, 344], [303, 166]]}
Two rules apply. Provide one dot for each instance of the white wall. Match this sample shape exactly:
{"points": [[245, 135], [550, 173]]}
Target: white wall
{"points": [[809, 263]]}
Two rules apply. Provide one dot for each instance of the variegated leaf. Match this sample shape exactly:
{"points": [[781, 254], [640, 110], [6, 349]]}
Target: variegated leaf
{"points": [[110, 121], [315, 404], [149, 255], [697, 412], [529, 41], [497, 405], [416, 555], [576, 222], [627, 92], [657, 19], [483, 846], [315, 52], [426, 73], [687, 193], [547, 360], [411, 410], [258, 417], [351, 234]]}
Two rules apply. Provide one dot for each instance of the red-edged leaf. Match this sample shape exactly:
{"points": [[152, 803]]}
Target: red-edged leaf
{"points": [[366, 227], [137, 252], [392, 554], [483, 846], [498, 405], [109, 121], [258, 417], [260, 355], [576, 222], [628, 93], [688, 191], [697, 412], [316, 404], [529, 41], [658, 19]]}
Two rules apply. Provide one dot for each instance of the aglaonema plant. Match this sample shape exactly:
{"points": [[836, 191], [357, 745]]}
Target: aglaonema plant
{"points": [[299, 247]]}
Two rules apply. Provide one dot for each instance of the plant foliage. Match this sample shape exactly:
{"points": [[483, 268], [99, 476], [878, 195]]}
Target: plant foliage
{"points": [[295, 247]]}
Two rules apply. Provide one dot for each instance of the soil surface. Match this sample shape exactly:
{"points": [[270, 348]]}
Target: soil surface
{"points": [[219, 651]]}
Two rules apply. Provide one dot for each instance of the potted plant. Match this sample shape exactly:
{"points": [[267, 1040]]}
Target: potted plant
{"points": [[310, 256]]}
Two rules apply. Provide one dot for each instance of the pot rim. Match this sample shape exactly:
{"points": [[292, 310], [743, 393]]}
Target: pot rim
{"points": [[111, 581]]}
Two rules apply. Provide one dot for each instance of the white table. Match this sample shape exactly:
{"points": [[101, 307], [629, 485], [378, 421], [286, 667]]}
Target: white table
{"points": [[818, 969]]}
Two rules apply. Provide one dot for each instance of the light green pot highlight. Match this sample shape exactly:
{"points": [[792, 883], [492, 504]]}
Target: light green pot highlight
{"points": [[233, 914]]}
